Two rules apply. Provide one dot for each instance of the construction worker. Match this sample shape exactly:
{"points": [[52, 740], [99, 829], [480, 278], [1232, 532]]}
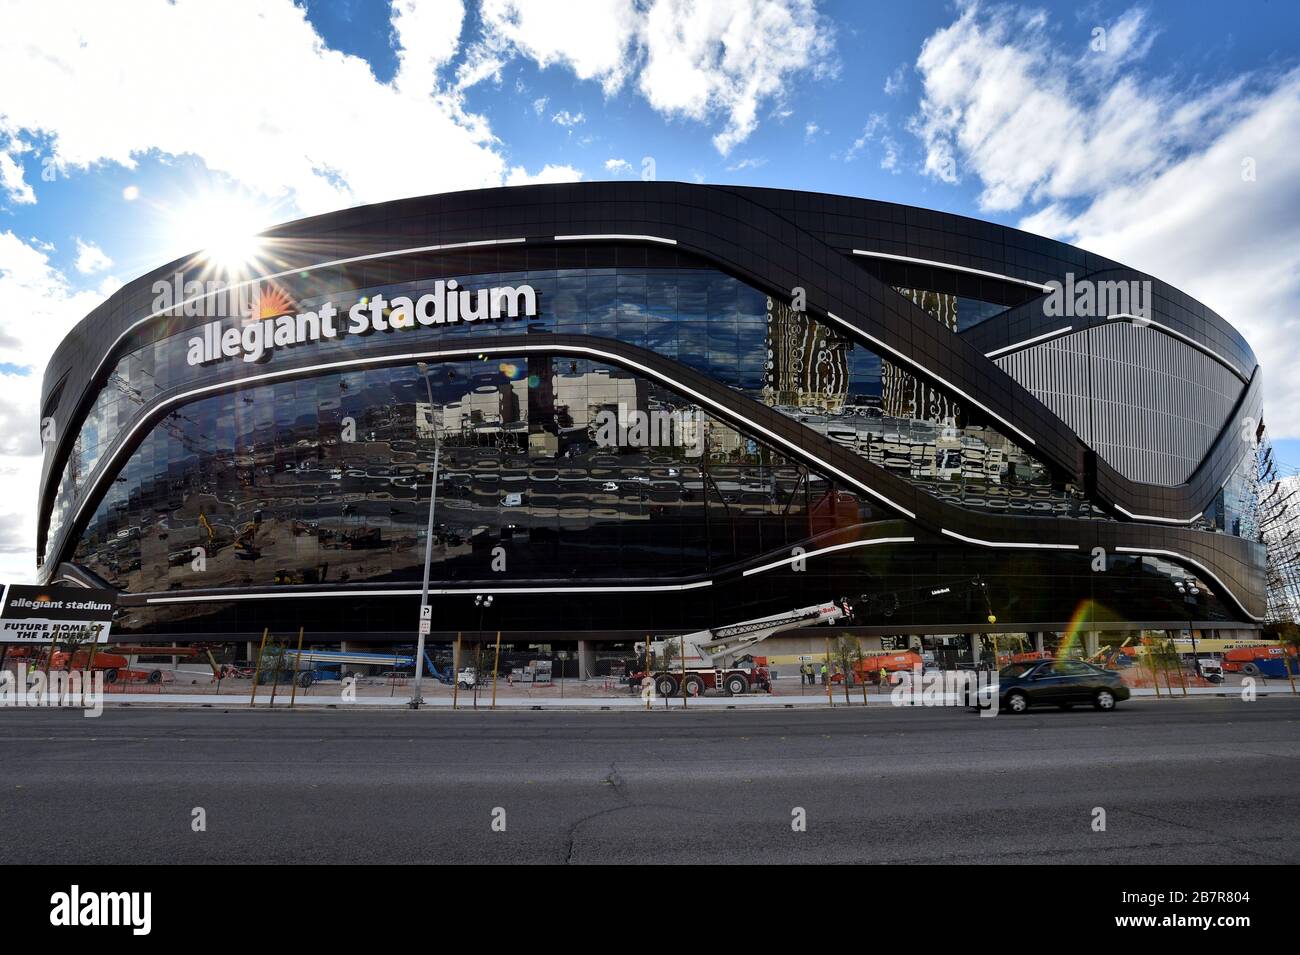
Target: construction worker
{"points": [[823, 674], [884, 679]]}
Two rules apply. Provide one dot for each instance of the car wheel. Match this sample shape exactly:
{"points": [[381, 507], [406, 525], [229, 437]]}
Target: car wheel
{"points": [[736, 685], [1017, 702], [1104, 700], [666, 686]]}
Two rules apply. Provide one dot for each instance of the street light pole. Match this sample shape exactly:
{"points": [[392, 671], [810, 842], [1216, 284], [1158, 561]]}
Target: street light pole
{"points": [[425, 614], [1189, 590], [482, 601]]}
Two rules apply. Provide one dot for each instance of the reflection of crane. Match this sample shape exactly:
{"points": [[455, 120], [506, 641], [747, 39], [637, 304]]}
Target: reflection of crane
{"points": [[203, 521], [246, 542]]}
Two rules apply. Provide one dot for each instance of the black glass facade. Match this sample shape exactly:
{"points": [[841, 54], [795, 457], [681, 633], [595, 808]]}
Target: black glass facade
{"points": [[674, 438], [712, 323], [325, 480]]}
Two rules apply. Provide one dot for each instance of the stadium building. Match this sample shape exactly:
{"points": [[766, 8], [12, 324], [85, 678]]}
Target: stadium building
{"points": [[657, 407]]}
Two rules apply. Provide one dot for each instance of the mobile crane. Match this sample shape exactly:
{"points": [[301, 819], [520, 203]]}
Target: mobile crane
{"points": [[706, 659]]}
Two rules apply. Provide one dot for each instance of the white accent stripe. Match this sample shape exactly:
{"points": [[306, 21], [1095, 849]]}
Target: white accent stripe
{"points": [[1194, 563], [102, 467], [1160, 520], [916, 364], [615, 237], [1015, 544], [108, 355], [1028, 341], [415, 592], [1139, 320], [954, 268], [828, 550]]}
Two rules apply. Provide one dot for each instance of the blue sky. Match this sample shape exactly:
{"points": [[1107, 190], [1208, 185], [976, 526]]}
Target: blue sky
{"points": [[125, 142]]}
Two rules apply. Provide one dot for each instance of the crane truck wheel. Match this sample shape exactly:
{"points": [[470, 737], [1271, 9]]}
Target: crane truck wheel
{"points": [[736, 684], [110, 675], [694, 686], [1250, 669], [666, 685]]}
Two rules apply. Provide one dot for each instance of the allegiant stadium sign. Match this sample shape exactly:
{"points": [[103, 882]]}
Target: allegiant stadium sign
{"points": [[448, 304]]}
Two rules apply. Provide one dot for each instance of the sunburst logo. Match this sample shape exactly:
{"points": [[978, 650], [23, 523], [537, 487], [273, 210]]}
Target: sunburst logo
{"points": [[273, 302]]}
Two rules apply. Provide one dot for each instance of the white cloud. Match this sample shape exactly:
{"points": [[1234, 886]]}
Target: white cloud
{"points": [[40, 306], [539, 105], [423, 29], [1144, 171], [20, 471], [890, 157], [995, 80], [697, 60], [12, 183], [568, 120], [875, 123], [810, 131], [896, 82], [519, 176], [260, 98], [618, 167], [754, 162], [589, 37], [91, 258]]}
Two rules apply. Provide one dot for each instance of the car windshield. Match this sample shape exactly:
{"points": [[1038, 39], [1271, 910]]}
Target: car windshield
{"points": [[1013, 670]]}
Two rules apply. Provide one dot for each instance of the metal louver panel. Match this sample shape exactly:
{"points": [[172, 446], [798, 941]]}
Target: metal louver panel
{"points": [[1147, 403]]}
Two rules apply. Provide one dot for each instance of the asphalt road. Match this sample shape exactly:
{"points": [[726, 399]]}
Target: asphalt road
{"points": [[1183, 781]]}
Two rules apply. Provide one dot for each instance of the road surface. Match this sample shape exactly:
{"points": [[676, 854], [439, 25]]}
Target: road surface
{"points": [[1179, 781]]}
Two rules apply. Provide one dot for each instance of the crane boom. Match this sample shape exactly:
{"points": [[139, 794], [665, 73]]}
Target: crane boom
{"points": [[718, 648]]}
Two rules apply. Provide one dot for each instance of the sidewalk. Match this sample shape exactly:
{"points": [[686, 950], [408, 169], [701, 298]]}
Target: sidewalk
{"points": [[241, 701]]}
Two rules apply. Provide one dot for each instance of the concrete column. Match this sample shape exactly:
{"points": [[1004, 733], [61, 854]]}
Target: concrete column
{"points": [[250, 651], [974, 639], [1091, 643], [586, 660], [1038, 641]]}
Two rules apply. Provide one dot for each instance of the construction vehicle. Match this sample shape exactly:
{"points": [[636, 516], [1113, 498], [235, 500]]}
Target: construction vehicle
{"points": [[708, 659], [315, 665], [1209, 668], [1259, 661], [116, 663], [868, 668]]}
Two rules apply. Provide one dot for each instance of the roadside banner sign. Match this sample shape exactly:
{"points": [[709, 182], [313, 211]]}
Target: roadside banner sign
{"points": [[37, 615]]}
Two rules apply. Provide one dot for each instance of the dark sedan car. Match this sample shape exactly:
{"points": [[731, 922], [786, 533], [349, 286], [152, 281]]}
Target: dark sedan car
{"points": [[1062, 683]]}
